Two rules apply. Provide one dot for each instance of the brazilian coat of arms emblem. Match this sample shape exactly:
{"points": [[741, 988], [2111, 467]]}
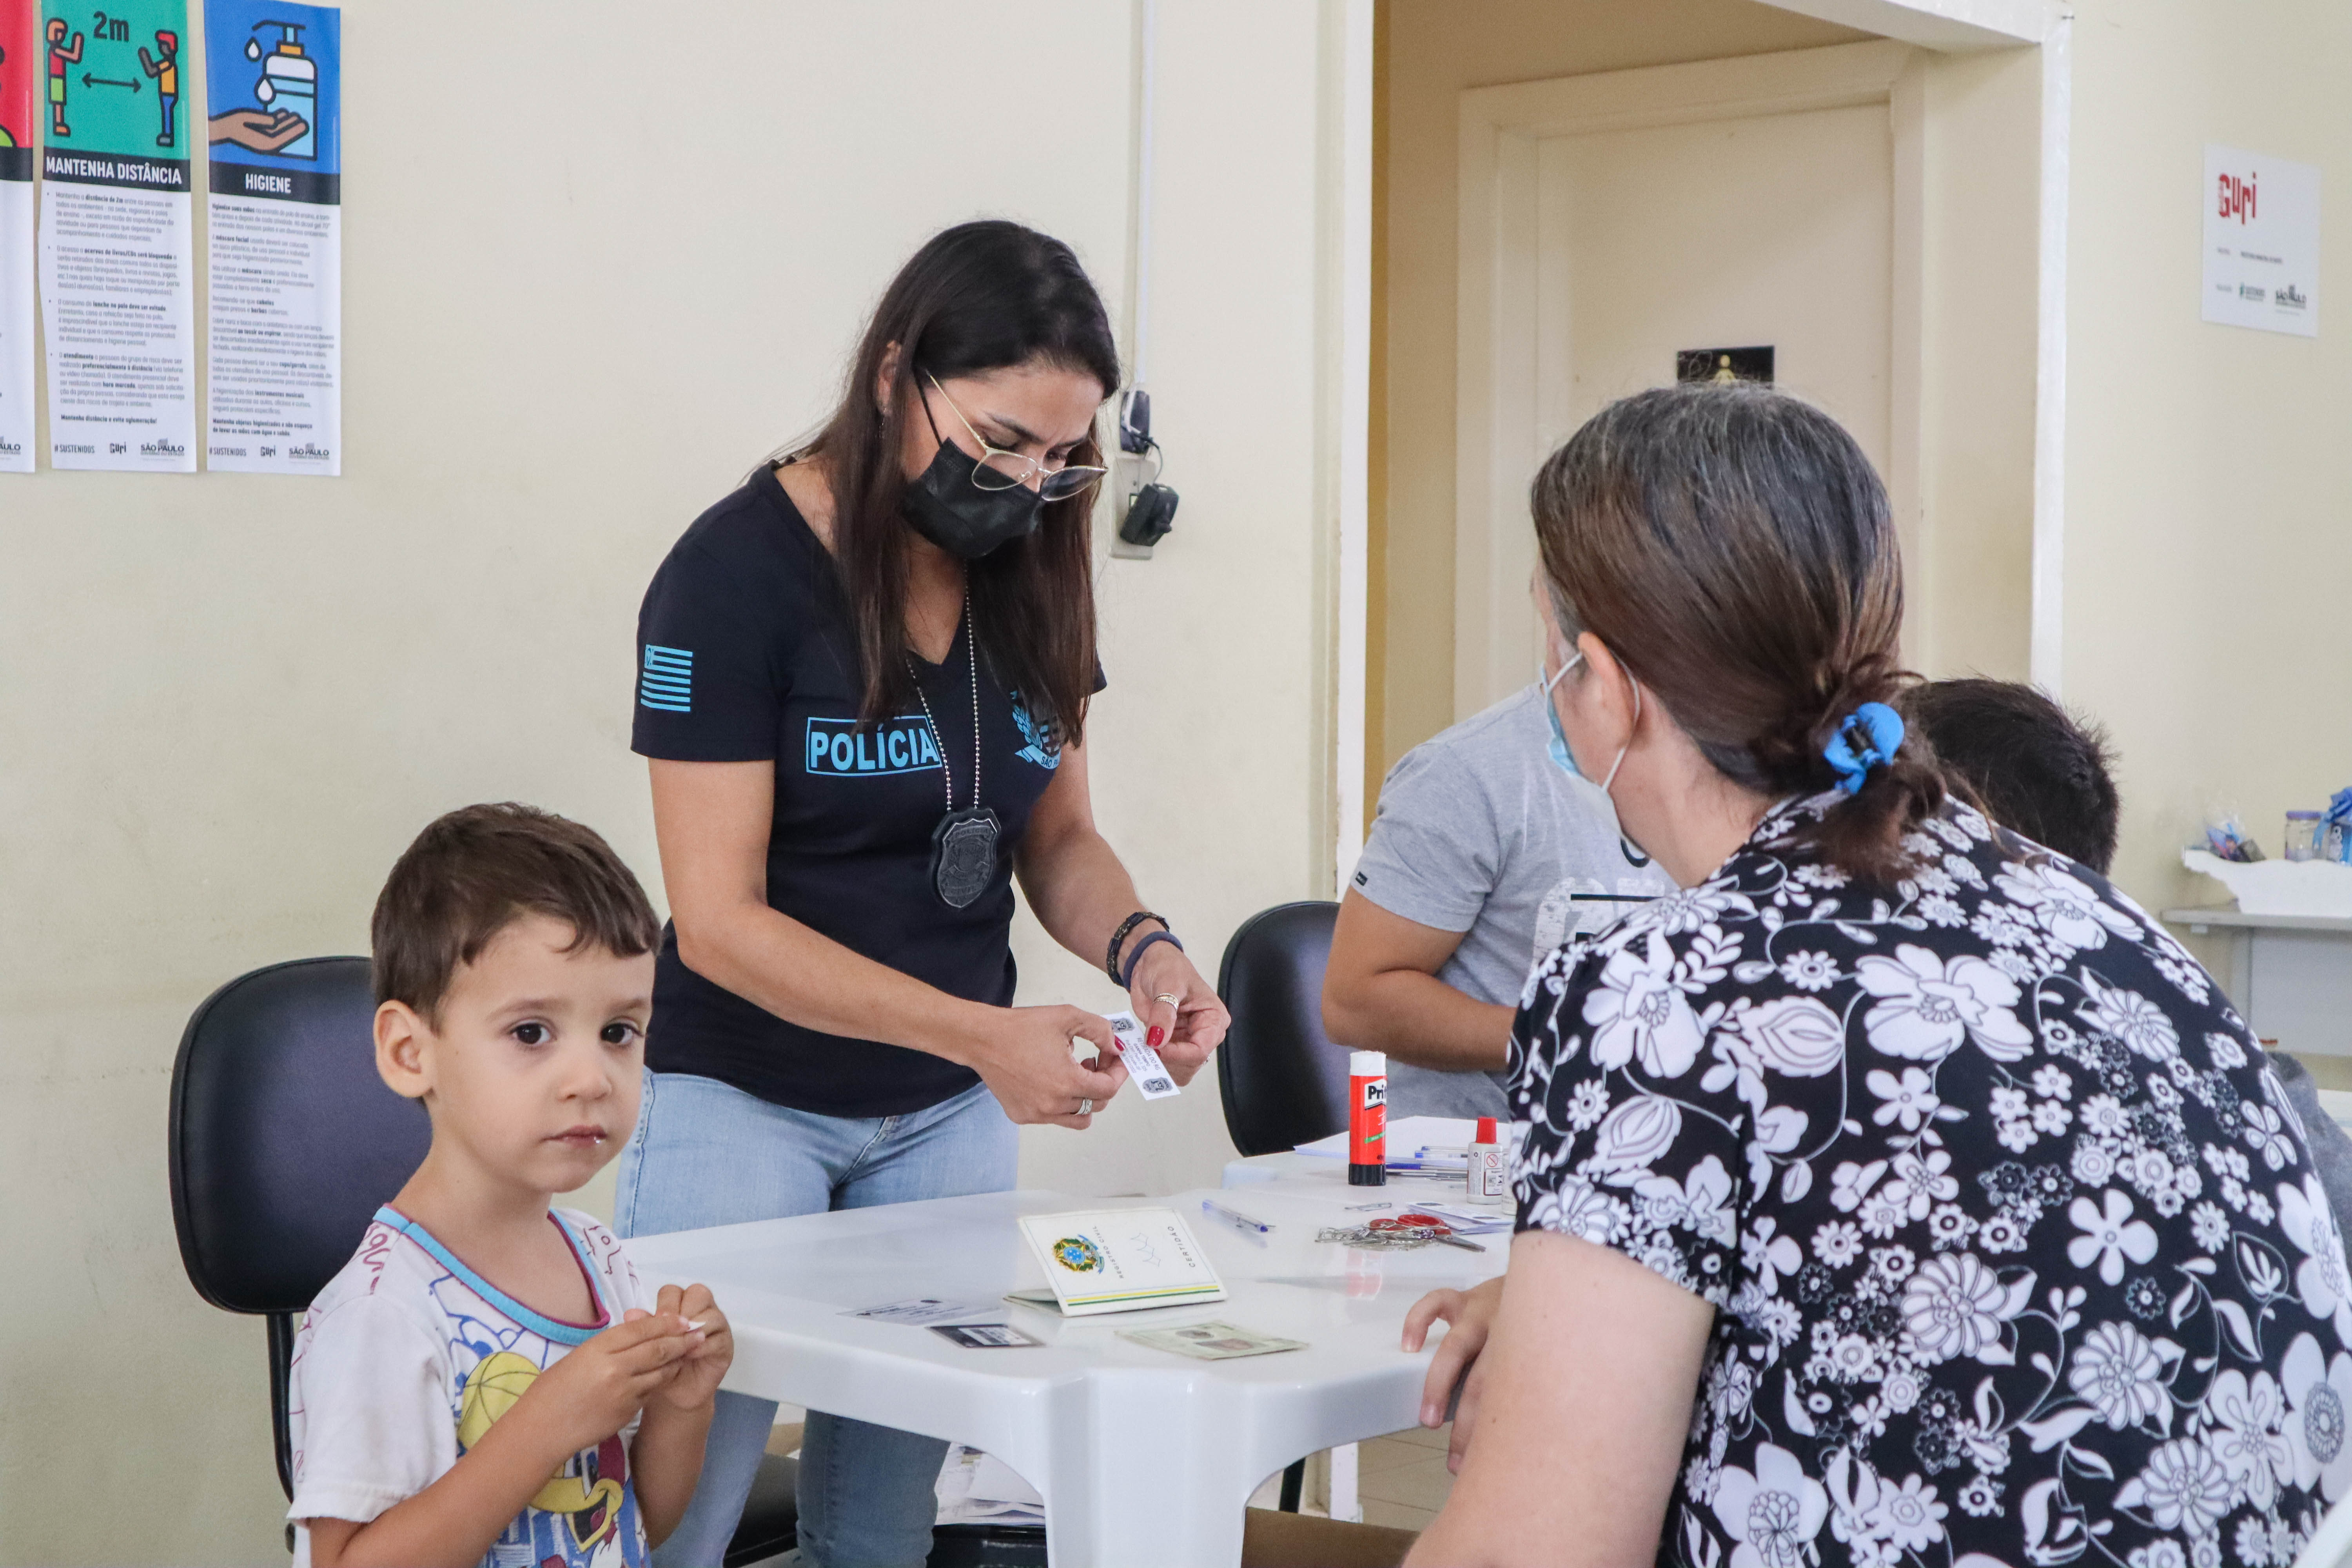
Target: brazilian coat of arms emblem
{"points": [[1077, 1255]]}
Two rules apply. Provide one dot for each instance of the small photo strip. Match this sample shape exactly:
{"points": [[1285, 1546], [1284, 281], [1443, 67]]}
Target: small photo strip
{"points": [[984, 1336]]}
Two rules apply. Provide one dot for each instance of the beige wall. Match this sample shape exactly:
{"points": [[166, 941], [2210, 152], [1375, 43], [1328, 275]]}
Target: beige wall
{"points": [[2206, 550], [1428, 53], [579, 307]]}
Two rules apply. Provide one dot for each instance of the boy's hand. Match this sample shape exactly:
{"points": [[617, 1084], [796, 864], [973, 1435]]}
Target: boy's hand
{"points": [[594, 1392], [695, 1378]]}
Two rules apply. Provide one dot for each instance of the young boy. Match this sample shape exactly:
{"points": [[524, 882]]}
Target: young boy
{"points": [[486, 1382]]}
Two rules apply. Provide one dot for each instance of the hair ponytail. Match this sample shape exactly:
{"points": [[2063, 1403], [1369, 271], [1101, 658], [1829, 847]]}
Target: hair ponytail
{"points": [[1735, 550]]}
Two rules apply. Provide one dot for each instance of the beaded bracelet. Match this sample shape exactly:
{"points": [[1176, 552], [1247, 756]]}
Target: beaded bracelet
{"points": [[1119, 938]]}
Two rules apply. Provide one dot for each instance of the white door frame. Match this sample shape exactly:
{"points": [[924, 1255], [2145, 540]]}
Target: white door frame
{"points": [[1954, 26], [1496, 330], [1354, 27], [1962, 27]]}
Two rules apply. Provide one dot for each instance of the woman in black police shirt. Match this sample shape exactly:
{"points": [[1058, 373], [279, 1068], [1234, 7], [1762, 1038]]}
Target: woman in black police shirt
{"points": [[863, 688]]}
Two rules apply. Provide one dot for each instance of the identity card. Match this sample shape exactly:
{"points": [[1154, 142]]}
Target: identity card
{"points": [[984, 1336], [1120, 1260], [1211, 1341]]}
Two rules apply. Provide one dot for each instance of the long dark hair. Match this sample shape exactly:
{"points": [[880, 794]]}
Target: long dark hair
{"points": [[978, 297], [1735, 550]]}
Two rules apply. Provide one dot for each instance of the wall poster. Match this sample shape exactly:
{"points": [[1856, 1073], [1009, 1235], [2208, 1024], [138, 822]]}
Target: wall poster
{"points": [[2262, 242], [20, 59], [117, 238], [274, 76]]}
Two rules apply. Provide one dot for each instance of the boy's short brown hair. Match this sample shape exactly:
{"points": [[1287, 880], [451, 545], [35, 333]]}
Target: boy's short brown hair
{"points": [[472, 873]]}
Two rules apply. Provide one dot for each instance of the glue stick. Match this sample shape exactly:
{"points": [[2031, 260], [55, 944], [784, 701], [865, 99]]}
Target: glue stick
{"points": [[1488, 1177], [1367, 1118]]}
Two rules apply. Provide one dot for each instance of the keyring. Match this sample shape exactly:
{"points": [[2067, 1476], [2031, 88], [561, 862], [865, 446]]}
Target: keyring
{"points": [[1086, 1106]]}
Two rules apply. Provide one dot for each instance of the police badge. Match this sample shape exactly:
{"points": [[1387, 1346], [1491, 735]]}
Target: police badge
{"points": [[963, 855]]}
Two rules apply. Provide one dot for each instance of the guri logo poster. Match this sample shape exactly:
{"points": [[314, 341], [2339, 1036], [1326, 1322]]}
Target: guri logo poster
{"points": [[274, 88], [20, 63], [117, 236]]}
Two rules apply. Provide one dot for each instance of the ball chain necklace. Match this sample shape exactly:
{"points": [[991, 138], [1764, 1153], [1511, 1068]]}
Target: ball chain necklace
{"points": [[963, 845]]}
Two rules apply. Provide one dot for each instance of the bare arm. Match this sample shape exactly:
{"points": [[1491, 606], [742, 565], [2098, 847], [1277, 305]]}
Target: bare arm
{"points": [[1080, 892], [1590, 1375], [665, 1462], [712, 820], [1380, 993]]}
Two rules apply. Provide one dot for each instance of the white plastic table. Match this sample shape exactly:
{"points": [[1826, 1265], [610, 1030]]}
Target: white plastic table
{"points": [[1144, 1458]]}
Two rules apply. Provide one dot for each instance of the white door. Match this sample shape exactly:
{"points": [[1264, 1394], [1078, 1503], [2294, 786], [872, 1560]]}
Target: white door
{"points": [[1772, 230]]}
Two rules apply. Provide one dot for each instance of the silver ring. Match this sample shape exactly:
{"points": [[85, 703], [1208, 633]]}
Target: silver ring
{"points": [[1172, 1001], [1086, 1106]]}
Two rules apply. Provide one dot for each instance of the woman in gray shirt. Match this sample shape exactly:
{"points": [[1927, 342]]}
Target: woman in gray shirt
{"points": [[1485, 853]]}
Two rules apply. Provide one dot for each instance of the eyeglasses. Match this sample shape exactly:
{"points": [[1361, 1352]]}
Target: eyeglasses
{"points": [[1001, 471]]}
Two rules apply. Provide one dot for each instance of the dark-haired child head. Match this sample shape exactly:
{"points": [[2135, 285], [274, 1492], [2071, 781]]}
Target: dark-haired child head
{"points": [[513, 967], [2036, 769]]}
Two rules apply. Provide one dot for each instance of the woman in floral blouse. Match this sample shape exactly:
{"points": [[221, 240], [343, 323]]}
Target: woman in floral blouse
{"points": [[1898, 1192]]}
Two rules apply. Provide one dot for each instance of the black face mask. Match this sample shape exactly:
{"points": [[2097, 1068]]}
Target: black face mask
{"points": [[945, 507]]}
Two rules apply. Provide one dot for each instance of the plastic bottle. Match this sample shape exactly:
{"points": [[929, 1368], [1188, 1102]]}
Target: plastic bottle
{"points": [[1367, 1118], [2303, 836], [289, 82], [1488, 1178]]}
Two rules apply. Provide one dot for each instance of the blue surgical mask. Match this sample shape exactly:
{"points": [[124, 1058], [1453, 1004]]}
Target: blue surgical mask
{"points": [[1559, 747]]}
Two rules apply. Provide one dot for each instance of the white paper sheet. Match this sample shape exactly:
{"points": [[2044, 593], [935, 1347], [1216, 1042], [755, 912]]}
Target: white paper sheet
{"points": [[18, 414], [1409, 1138], [923, 1310], [118, 294], [1150, 1075]]}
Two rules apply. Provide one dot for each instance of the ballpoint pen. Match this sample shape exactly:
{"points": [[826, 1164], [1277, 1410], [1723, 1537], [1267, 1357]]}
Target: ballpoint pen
{"points": [[1238, 1220]]}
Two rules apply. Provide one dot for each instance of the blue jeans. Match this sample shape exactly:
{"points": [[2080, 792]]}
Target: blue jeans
{"points": [[705, 1152]]}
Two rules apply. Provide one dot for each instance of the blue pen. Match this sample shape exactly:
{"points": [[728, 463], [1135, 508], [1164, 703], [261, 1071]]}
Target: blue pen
{"points": [[1238, 1221]]}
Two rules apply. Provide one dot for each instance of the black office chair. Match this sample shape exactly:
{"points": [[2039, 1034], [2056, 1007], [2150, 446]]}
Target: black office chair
{"points": [[284, 1142], [1282, 1080]]}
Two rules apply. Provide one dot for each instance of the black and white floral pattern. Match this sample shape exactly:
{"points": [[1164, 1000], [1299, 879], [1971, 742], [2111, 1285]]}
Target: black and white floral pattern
{"points": [[2015, 1242]]}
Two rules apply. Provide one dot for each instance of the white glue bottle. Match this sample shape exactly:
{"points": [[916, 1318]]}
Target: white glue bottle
{"points": [[1488, 1178]]}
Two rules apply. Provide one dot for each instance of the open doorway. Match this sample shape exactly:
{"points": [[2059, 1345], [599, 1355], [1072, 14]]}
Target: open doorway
{"points": [[1573, 192]]}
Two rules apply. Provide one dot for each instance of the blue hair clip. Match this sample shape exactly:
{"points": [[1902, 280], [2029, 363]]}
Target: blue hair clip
{"points": [[1868, 737]]}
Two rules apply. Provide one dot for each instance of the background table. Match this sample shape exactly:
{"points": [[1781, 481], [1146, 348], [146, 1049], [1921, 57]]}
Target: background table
{"points": [[1143, 1457], [2290, 975]]}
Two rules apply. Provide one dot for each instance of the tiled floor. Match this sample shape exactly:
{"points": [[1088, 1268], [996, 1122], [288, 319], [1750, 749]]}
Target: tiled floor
{"points": [[1401, 1479]]}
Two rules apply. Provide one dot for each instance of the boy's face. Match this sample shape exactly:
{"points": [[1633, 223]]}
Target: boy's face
{"points": [[531, 1069]]}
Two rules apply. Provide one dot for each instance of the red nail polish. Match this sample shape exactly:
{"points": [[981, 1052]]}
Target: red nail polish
{"points": [[1155, 1034]]}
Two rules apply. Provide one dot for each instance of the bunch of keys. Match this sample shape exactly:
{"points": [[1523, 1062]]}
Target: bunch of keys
{"points": [[1400, 1234]]}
